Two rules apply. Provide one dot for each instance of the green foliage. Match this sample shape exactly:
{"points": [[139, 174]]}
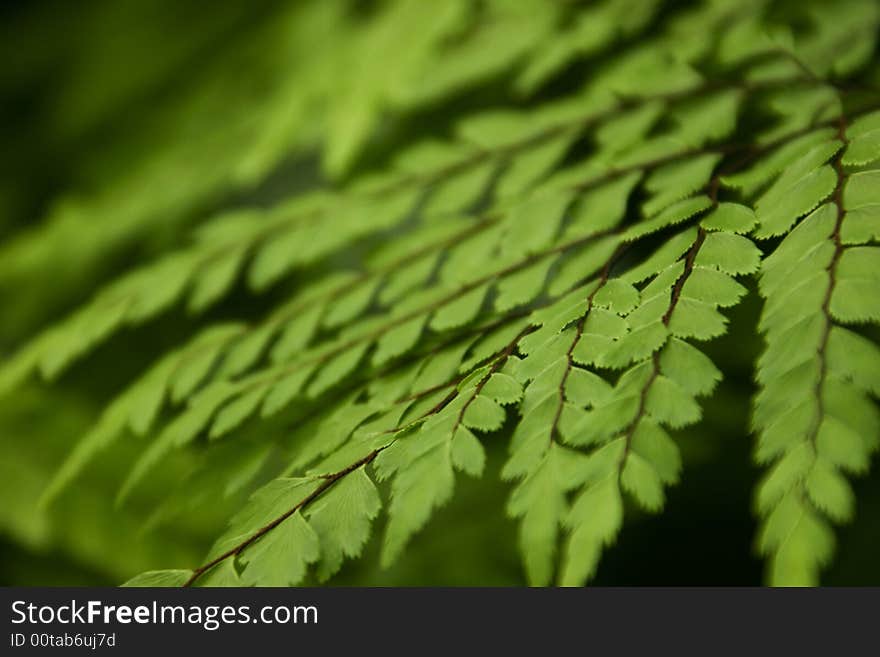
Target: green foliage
{"points": [[549, 267]]}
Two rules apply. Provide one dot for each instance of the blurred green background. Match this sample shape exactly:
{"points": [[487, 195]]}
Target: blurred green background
{"points": [[126, 123]]}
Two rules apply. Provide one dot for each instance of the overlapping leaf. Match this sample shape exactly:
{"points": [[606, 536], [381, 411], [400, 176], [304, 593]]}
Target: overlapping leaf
{"points": [[552, 271]]}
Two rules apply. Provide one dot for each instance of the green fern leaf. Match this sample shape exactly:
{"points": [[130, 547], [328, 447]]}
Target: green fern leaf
{"points": [[500, 240]]}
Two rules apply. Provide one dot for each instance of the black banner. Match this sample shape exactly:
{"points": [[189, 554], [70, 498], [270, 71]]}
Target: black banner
{"points": [[411, 621]]}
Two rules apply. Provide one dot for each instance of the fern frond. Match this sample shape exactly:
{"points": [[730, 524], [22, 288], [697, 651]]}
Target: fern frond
{"points": [[547, 268], [813, 411]]}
